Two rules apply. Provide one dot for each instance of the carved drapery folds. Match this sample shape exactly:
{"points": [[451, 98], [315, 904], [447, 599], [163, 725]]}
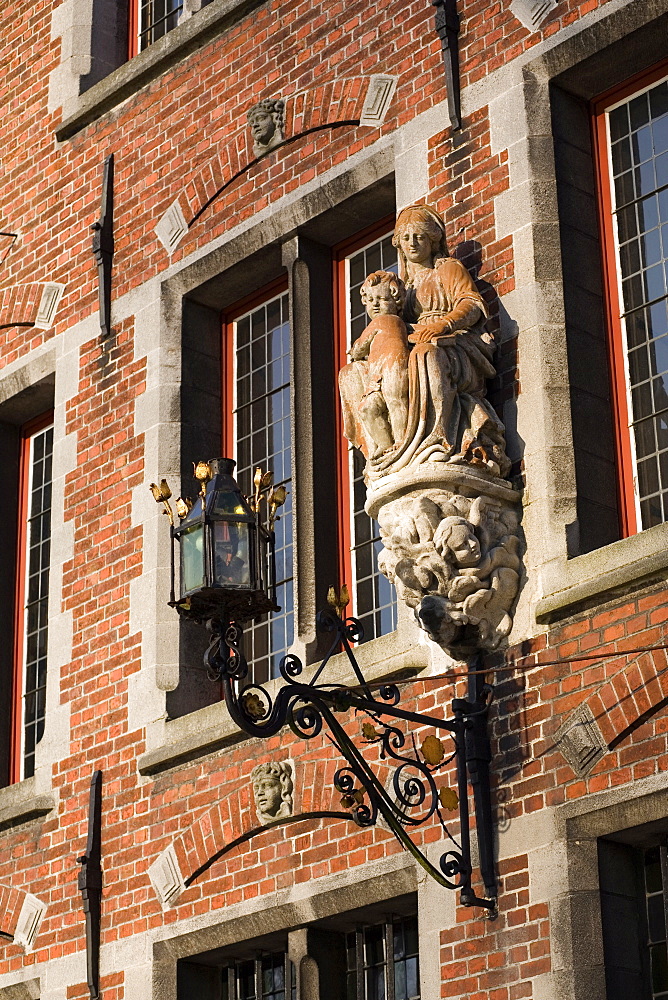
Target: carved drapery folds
{"points": [[413, 399]]}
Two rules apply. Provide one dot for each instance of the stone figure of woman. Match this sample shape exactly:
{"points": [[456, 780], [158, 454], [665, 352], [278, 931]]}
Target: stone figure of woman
{"points": [[448, 418]]}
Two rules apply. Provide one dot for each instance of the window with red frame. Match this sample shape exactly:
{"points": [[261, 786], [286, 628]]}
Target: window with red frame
{"points": [[373, 596], [631, 131], [257, 433], [149, 20], [32, 595]]}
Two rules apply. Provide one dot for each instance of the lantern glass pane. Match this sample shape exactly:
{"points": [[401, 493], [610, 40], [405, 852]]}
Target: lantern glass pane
{"points": [[229, 502], [192, 559], [231, 554]]}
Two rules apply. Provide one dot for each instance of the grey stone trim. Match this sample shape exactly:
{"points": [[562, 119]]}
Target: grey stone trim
{"points": [[48, 305], [186, 741], [638, 804], [19, 804], [612, 571], [378, 99], [532, 13], [125, 81], [256, 919], [581, 741], [29, 921], [29, 989]]}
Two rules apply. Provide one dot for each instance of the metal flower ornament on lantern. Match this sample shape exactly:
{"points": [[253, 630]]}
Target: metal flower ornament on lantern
{"points": [[225, 544]]}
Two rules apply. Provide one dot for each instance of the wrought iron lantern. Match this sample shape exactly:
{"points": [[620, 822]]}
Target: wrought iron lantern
{"points": [[226, 565]]}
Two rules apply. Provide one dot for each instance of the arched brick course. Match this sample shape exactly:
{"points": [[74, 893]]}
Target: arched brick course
{"points": [[233, 818], [33, 304], [19, 304], [639, 689], [11, 901], [330, 103]]}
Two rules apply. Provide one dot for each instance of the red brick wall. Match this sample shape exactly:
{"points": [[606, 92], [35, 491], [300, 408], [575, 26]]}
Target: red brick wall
{"points": [[161, 138]]}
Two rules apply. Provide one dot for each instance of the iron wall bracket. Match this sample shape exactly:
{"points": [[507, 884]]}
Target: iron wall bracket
{"points": [[411, 797]]}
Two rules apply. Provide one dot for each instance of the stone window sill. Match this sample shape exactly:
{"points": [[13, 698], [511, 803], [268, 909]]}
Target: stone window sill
{"points": [[20, 804], [211, 729], [612, 571], [129, 78]]}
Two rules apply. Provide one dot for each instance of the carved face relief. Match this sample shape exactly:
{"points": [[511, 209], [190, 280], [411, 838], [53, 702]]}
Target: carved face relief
{"points": [[416, 244], [464, 546], [268, 795], [266, 124], [379, 301], [272, 790], [263, 127]]}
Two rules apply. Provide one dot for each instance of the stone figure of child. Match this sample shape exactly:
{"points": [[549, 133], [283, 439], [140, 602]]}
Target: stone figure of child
{"points": [[374, 387]]}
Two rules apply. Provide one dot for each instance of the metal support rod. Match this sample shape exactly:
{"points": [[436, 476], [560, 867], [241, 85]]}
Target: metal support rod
{"points": [[103, 245], [90, 885], [447, 27]]}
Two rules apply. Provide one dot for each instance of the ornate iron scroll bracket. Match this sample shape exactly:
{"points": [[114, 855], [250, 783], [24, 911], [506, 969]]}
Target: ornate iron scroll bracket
{"points": [[447, 27], [103, 245], [90, 884], [411, 796]]}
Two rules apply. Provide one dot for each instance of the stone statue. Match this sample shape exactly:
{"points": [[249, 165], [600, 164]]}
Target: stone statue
{"points": [[272, 789], [415, 406], [267, 124], [374, 386]]}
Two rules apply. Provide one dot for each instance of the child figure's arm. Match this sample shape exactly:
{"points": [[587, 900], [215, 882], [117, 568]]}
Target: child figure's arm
{"points": [[360, 349]]}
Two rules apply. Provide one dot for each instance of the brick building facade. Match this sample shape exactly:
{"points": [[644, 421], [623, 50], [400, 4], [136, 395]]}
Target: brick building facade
{"points": [[555, 195]]}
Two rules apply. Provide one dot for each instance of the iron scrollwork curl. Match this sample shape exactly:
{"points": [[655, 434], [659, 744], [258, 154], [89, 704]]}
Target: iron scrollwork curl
{"points": [[309, 706]]}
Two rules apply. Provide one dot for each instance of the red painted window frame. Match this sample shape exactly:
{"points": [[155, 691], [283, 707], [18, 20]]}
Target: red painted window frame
{"points": [[343, 491], [133, 28], [28, 429], [270, 291], [626, 472]]}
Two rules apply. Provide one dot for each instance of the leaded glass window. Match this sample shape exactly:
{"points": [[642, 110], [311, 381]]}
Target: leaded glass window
{"points": [[374, 597], [262, 437], [382, 961], [638, 160], [656, 890], [267, 977], [37, 456], [156, 18]]}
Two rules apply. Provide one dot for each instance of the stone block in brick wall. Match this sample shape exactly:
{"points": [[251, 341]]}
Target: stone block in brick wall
{"points": [[581, 741]]}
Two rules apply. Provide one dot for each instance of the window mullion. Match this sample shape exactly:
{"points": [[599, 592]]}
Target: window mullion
{"points": [[389, 960], [258, 977], [359, 962], [663, 856]]}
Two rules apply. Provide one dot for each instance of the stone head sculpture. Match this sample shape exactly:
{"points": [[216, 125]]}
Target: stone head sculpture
{"points": [[267, 124], [427, 222], [383, 292], [272, 788]]}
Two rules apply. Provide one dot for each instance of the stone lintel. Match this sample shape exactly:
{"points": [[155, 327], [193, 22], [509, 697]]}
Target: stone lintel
{"points": [[611, 571]]}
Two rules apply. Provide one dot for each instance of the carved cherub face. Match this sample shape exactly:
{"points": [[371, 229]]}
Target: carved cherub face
{"points": [[416, 243], [263, 125], [464, 546], [379, 301], [268, 797]]}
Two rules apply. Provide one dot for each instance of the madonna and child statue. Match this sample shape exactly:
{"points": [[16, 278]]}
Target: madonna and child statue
{"points": [[414, 403]]}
